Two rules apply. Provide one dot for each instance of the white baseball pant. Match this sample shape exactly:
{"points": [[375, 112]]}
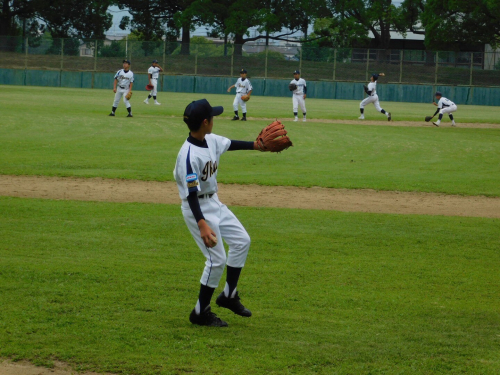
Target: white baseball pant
{"points": [[121, 92], [450, 109], [243, 104], [371, 99], [154, 82], [226, 226], [298, 99]]}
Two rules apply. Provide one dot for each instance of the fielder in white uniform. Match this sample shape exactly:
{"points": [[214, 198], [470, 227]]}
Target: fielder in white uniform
{"points": [[444, 105], [153, 74], [196, 176], [372, 97], [243, 87], [299, 96], [124, 81]]}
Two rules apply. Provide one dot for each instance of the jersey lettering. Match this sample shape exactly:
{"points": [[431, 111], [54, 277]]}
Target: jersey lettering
{"points": [[209, 170]]}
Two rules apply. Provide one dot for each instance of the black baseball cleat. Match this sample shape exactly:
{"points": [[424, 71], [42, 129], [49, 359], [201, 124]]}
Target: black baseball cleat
{"points": [[206, 318], [111, 114], [233, 304], [130, 115], [235, 118], [389, 116], [244, 119]]}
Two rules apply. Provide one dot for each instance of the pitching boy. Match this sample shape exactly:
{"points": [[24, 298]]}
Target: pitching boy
{"points": [[444, 105], [371, 90], [299, 95], [209, 220], [124, 80], [243, 87], [153, 74]]}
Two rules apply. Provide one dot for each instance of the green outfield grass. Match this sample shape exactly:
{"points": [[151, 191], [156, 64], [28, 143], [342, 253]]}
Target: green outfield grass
{"points": [[66, 132], [109, 287]]}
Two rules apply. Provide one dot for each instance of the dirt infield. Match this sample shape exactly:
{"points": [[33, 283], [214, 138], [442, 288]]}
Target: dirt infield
{"points": [[109, 190], [26, 368]]}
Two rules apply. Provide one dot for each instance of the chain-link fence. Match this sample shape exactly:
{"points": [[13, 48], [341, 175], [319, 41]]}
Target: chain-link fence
{"points": [[276, 61]]}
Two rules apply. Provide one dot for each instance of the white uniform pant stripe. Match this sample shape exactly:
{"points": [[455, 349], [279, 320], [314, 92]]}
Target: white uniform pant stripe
{"points": [[226, 227], [237, 101], [119, 94], [371, 99], [299, 100]]}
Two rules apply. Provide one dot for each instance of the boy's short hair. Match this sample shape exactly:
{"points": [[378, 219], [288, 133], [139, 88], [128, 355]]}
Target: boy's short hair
{"points": [[199, 110]]}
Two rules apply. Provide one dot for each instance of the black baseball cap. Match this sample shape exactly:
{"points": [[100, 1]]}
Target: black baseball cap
{"points": [[155, 61], [242, 71], [296, 72], [126, 61], [438, 93], [200, 110], [375, 76]]}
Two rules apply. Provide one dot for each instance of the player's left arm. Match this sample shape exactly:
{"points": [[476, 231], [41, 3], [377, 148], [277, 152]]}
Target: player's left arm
{"points": [[242, 145], [249, 93]]}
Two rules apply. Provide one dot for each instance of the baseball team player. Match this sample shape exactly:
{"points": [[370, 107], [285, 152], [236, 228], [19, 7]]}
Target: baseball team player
{"points": [[124, 81], [444, 105], [209, 220], [299, 95], [371, 90], [243, 87], [153, 73]]}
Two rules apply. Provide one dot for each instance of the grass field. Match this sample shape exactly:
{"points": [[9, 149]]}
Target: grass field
{"points": [[66, 132], [109, 286]]}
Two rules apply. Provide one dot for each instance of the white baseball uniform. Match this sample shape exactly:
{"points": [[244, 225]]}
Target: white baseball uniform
{"points": [[372, 97], [125, 78], [155, 73], [446, 105], [298, 95], [196, 171], [243, 87]]}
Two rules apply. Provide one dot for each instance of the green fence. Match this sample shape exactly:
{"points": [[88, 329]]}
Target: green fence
{"points": [[262, 87], [203, 57]]}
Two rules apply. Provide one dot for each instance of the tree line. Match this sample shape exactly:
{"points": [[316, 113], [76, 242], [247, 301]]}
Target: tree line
{"points": [[446, 24]]}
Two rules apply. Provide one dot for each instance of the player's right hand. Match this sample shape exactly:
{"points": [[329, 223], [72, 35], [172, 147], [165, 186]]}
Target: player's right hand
{"points": [[229, 89], [114, 90], [206, 233]]}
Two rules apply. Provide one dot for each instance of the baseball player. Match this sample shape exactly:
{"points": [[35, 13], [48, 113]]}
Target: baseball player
{"points": [[153, 74], [209, 220], [299, 95], [243, 87], [124, 80], [371, 90], [444, 105]]}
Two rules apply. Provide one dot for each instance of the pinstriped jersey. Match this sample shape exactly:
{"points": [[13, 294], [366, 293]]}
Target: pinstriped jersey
{"points": [[196, 167], [243, 86], [444, 102], [301, 83], [154, 71], [125, 78]]}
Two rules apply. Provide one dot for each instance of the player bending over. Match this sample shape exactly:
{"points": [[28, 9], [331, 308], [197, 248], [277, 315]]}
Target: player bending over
{"points": [[243, 91], [209, 220], [122, 87], [299, 88], [444, 105], [371, 90], [153, 74]]}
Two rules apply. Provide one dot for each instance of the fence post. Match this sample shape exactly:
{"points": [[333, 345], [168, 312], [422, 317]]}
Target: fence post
{"points": [[62, 59], [334, 62], [95, 63], [196, 61], [436, 73], [232, 60], [265, 70], [471, 66], [26, 54], [400, 66], [163, 62], [367, 64], [300, 62]]}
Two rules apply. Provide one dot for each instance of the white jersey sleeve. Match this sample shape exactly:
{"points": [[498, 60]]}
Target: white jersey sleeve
{"points": [[131, 76], [220, 144], [372, 86], [151, 70], [118, 73], [444, 102], [186, 172]]}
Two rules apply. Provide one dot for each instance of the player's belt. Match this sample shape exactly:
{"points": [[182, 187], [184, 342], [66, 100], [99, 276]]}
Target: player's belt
{"points": [[205, 196], [122, 87]]}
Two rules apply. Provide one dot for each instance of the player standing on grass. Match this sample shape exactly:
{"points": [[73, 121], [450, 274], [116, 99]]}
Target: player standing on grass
{"points": [[371, 90], [444, 105], [210, 221], [299, 95], [243, 91], [122, 87], [153, 74]]}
